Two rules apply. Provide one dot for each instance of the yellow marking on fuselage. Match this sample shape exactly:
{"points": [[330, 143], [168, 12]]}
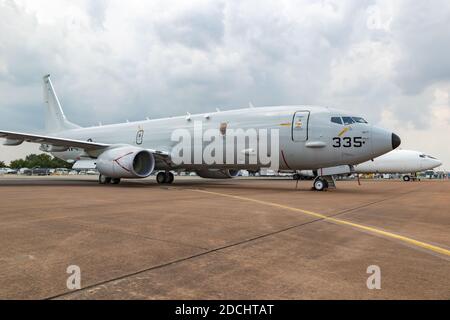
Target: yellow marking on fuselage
{"points": [[387, 234], [343, 131], [287, 124]]}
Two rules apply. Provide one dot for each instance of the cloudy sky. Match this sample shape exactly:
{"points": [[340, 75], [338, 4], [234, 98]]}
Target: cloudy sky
{"points": [[115, 60]]}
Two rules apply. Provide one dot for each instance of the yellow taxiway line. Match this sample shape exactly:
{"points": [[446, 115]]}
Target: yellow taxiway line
{"points": [[414, 242]]}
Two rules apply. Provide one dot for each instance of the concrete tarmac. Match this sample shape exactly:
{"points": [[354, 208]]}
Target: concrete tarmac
{"points": [[246, 238]]}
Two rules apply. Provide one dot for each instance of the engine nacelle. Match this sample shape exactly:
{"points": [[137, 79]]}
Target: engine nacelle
{"points": [[126, 162], [218, 173]]}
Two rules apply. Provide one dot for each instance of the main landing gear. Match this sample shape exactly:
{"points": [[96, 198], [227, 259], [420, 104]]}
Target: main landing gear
{"points": [[107, 180], [164, 177]]}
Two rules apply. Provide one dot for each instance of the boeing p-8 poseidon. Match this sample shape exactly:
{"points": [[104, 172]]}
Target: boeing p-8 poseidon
{"points": [[284, 137]]}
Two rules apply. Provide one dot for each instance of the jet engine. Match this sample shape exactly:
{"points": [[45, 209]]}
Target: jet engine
{"points": [[218, 173], [126, 162]]}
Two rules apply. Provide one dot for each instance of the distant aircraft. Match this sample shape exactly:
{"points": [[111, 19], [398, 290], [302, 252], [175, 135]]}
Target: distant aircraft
{"points": [[407, 162], [307, 138]]}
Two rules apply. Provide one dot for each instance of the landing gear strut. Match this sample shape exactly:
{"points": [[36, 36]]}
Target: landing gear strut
{"points": [[164, 177]]}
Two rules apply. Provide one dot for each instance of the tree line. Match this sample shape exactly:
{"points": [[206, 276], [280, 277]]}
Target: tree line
{"points": [[37, 160]]}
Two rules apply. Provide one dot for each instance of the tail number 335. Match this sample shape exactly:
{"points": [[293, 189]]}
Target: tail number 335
{"points": [[348, 142]]}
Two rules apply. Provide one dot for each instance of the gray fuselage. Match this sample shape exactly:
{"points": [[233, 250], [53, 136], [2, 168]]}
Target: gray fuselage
{"points": [[308, 139]]}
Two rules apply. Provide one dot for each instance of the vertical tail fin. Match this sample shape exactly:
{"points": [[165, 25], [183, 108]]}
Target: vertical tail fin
{"points": [[55, 120]]}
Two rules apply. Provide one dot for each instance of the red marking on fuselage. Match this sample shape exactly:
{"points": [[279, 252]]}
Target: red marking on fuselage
{"points": [[284, 159]]}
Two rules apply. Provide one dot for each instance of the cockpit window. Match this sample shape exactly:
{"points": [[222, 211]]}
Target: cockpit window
{"points": [[359, 120], [337, 120], [348, 120], [431, 157], [422, 156]]}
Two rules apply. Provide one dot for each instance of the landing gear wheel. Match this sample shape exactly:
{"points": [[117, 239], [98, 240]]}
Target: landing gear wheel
{"points": [[103, 180], [169, 177], [406, 178], [296, 176], [115, 180], [320, 185], [161, 177]]}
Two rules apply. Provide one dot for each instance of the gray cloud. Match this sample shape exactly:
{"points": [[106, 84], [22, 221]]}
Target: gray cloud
{"points": [[421, 31], [198, 27]]}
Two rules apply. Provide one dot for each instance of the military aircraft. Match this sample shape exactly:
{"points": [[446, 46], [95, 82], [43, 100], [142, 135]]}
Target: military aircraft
{"points": [[301, 137], [406, 162]]}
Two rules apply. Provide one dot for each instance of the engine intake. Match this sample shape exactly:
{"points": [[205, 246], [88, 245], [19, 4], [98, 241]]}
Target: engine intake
{"points": [[218, 173], [126, 162]]}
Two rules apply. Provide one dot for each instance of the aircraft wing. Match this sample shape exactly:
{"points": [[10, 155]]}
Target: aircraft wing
{"points": [[16, 138]]}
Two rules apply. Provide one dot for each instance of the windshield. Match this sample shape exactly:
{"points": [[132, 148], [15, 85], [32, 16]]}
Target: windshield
{"points": [[348, 120], [359, 120], [337, 120]]}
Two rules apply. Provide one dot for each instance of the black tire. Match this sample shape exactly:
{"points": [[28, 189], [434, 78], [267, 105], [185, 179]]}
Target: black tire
{"points": [[169, 177], [406, 178], [161, 177], [115, 180], [319, 184], [103, 180]]}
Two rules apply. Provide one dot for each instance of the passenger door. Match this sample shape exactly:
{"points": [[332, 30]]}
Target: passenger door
{"points": [[300, 126]]}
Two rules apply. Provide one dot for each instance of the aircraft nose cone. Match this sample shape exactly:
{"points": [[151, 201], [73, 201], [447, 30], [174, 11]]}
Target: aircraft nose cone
{"points": [[395, 141]]}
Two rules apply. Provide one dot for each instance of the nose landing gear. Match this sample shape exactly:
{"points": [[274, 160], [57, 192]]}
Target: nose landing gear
{"points": [[322, 183]]}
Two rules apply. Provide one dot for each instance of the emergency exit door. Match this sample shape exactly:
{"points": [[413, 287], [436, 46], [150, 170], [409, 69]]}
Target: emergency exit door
{"points": [[300, 126]]}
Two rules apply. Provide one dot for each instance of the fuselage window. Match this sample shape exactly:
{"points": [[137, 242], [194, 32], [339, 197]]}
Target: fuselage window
{"points": [[337, 120], [348, 120], [359, 120]]}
